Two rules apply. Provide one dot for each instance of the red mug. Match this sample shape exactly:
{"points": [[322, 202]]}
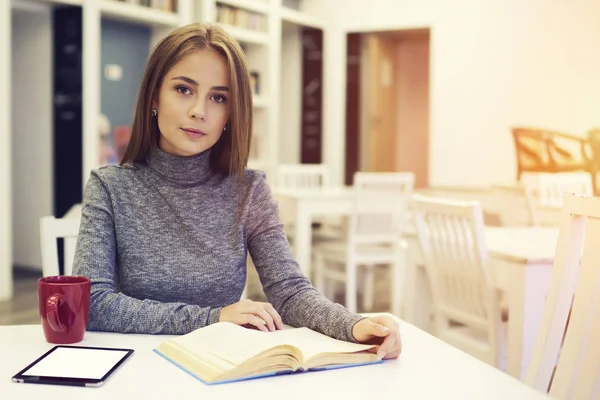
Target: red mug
{"points": [[64, 303]]}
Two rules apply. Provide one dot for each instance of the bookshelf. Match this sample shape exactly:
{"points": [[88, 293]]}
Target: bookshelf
{"points": [[259, 30], [139, 14], [268, 30]]}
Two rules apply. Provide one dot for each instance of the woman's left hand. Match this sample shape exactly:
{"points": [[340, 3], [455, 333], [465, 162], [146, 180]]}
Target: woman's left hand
{"points": [[382, 331]]}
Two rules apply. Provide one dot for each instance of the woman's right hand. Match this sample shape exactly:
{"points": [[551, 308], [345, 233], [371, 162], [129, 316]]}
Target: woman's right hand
{"points": [[247, 312]]}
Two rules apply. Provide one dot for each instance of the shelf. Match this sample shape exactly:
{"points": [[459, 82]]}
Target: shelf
{"points": [[250, 5], [58, 2], [299, 18], [259, 102], [246, 35], [139, 14]]}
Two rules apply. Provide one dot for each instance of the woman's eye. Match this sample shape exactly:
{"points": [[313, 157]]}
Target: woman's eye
{"points": [[219, 98], [183, 90]]}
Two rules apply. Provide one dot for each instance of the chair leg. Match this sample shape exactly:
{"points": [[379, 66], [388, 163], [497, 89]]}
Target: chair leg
{"points": [[351, 286], [369, 288], [319, 273], [398, 280]]}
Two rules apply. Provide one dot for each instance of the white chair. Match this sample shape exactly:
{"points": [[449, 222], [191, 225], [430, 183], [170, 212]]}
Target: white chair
{"points": [[394, 183], [401, 183], [373, 237], [515, 204], [552, 187], [302, 176], [51, 229], [465, 304], [566, 358]]}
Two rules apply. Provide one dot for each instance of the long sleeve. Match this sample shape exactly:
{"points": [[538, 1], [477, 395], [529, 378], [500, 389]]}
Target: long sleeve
{"points": [[284, 284], [96, 257]]}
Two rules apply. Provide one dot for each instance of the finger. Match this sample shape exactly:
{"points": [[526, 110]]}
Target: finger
{"points": [[254, 321], [275, 315], [387, 346], [395, 351], [265, 316], [393, 355], [378, 330]]}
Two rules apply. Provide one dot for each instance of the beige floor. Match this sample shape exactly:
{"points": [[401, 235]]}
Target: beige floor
{"points": [[23, 308]]}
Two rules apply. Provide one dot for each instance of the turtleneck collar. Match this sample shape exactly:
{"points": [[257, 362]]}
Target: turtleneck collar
{"points": [[182, 170]]}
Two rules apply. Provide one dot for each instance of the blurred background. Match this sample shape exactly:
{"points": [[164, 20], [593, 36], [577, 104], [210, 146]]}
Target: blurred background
{"points": [[463, 95]]}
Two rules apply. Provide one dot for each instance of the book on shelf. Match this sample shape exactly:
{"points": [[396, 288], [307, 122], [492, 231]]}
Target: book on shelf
{"points": [[225, 352], [162, 5], [241, 18]]}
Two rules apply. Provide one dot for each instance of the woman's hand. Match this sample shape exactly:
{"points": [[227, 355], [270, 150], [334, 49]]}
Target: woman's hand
{"points": [[382, 331], [247, 312]]}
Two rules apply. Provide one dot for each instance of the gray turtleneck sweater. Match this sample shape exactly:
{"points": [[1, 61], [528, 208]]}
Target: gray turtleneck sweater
{"points": [[165, 245]]}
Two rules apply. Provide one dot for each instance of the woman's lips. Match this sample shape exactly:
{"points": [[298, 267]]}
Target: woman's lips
{"points": [[193, 133]]}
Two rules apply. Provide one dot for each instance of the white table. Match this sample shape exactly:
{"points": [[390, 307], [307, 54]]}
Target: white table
{"points": [[306, 204], [427, 369], [521, 260]]}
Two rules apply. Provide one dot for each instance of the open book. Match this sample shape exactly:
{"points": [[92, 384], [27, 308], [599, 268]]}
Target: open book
{"points": [[225, 352]]}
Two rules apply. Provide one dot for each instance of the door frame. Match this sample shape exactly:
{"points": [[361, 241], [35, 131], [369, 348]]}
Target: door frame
{"points": [[349, 146]]}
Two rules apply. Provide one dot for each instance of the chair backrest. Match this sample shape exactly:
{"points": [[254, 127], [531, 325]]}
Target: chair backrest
{"points": [[381, 194], [568, 338], [51, 229], [401, 182], [552, 187], [379, 217], [302, 176], [451, 238], [545, 150], [515, 204]]}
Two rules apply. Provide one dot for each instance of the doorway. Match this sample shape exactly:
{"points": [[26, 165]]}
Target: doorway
{"points": [[387, 108]]}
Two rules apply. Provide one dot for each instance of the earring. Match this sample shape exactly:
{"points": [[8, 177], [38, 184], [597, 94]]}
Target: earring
{"points": [[225, 128], [154, 112]]}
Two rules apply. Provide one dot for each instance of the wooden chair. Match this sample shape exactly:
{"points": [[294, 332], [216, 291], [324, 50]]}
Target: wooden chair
{"points": [[566, 357], [51, 229], [465, 303], [544, 150]]}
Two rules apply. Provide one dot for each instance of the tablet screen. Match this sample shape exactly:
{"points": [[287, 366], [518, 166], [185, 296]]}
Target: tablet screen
{"points": [[77, 362]]}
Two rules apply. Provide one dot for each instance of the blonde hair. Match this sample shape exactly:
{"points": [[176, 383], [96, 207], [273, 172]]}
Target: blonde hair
{"points": [[230, 153]]}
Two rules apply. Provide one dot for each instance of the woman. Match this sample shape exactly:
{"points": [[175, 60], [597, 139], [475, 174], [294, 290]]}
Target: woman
{"points": [[164, 236]]}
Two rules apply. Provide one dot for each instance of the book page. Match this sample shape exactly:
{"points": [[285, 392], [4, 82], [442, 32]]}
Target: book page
{"points": [[231, 342], [312, 343]]}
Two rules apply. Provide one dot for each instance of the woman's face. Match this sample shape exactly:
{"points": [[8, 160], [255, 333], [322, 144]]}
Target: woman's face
{"points": [[193, 105]]}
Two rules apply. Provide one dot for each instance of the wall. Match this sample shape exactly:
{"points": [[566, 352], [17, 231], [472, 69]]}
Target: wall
{"points": [[125, 45], [494, 64], [31, 131], [6, 276]]}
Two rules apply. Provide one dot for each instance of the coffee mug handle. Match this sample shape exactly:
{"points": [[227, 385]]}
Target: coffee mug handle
{"points": [[52, 313]]}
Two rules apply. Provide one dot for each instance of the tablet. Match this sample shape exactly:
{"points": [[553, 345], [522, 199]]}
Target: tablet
{"points": [[74, 366]]}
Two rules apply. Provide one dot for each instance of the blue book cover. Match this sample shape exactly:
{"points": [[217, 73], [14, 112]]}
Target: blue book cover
{"points": [[272, 374]]}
